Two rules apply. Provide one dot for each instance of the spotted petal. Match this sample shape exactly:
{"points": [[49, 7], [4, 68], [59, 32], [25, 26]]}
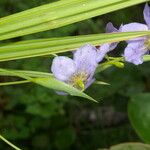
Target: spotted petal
{"points": [[146, 13], [134, 52], [63, 67]]}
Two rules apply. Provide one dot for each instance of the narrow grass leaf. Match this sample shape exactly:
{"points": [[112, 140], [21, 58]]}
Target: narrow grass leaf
{"points": [[64, 15], [51, 83], [58, 45]]}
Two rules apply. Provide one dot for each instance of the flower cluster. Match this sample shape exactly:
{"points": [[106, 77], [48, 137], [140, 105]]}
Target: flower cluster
{"points": [[138, 47], [79, 71]]}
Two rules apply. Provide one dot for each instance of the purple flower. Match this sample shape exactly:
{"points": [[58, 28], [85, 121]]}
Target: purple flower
{"points": [[138, 47], [78, 71], [147, 15], [105, 48]]}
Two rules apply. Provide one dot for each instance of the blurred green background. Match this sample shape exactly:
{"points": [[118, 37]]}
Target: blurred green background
{"points": [[34, 117]]}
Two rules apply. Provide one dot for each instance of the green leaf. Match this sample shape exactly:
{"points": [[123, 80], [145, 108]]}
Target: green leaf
{"points": [[48, 82], [52, 83], [131, 146], [25, 72], [139, 114], [101, 83], [147, 58], [52, 46], [58, 14], [14, 82]]}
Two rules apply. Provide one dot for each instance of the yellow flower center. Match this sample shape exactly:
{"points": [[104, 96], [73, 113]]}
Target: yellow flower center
{"points": [[79, 80]]}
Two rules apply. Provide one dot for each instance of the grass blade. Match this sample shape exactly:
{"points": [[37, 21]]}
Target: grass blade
{"points": [[51, 83], [67, 15], [9, 143], [59, 45], [13, 82]]}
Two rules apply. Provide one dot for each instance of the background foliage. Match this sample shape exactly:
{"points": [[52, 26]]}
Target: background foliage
{"points": [[34, 117]]}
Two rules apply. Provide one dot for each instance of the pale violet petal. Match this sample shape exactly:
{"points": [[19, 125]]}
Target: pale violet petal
{"points": [[105, 48], [120, 28], [89, 82], [63, 67], [61, 93], [110, 28], [102, 51], [146, 13], [134, 52], [85, 58], [113, 46], [134, 27]]}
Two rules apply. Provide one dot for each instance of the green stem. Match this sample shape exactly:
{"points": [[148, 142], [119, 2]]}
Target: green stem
{"points": [[108, 64], [9, 143]]}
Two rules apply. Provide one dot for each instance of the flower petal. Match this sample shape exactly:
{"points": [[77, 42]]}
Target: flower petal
{"points": [[63, 67], [85, 58], [120, 28], [102, 51], [110, 28], [134, 27], [146, 13], [134, 52], [105, 48], [89, 82], [61, 93]]}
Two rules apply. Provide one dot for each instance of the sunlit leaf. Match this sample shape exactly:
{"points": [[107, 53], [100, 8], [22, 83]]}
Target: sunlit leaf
{"points": [[51, 46], [58, 14], [147, 58]]}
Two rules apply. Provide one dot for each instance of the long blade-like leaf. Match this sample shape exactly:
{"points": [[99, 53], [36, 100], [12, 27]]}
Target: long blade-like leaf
{"points": [[64, 15], [49, 82], [61, 86], [26, 72], [59, 45], [13, 82]]}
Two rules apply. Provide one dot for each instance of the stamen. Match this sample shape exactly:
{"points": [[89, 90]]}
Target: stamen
{"points": [[79, 80], [80, 84]]}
